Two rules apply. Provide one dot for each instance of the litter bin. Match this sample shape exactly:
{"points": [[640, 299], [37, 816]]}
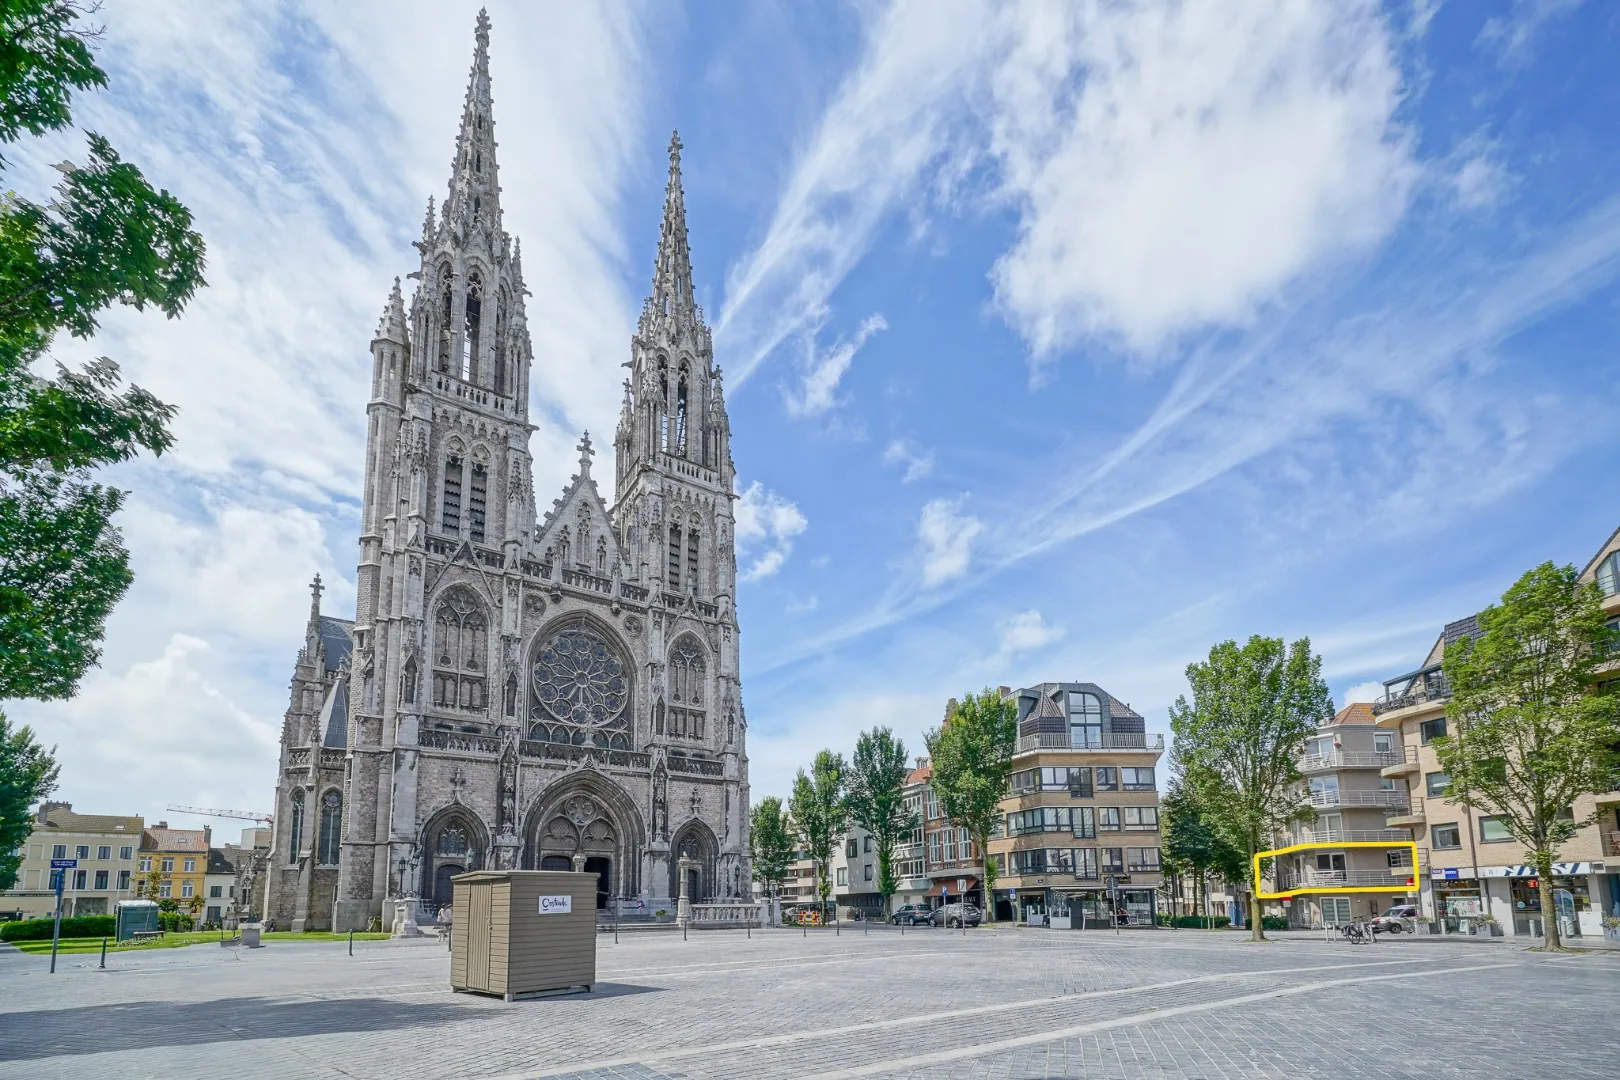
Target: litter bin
{"points": [[523, 933]]}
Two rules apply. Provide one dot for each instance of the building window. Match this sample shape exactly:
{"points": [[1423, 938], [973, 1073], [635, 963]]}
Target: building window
{"points": [[868, 872], [126, 852], [1141, 818], [191, 866], [674, 557], [474, 309], [851, 848], [476, 501], [101, 879], [1446, 836], [1437, 783], [187, 887], [1144, 860], [843, 875], [1108, 818], [1493, 830], [296, 833], [1085, 719], [1431, 730], [1137, 779], [445, 289], [215, 891], [79, 878], [868, 844], [104, 852], [1113, 860], [1085, 823], [167, 866], [331, 829], [82, 851], [1107, 778], [59, 851], [1085, 863], [123, 880], [450, 504], [461, 642], [692, 560], [687, 674], [1608, 574], [146, 864], [165, 890], [680, 412]]}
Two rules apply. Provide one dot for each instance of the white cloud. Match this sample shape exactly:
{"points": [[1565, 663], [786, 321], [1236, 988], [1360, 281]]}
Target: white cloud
{"points": [[825, 369], [1511, 35], [1209, 155], [1025, 631], [918, 463], [1476, 175], [945, 540], [766, 519], [1367, 691]]}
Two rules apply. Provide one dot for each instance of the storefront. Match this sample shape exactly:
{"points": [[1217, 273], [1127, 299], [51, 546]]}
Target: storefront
{"points": [[1458, 901], [1570, 898], [1518, 900]]}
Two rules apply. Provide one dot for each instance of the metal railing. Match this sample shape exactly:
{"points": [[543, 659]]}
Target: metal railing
{"points": [[1349, 759], [1356, 836], [1292, 879], [1329, 799], [1059, 740], [1428, 685], [1611, 843], [1412, 809]]}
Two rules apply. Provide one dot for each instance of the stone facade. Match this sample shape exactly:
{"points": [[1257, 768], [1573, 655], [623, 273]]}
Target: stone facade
{"points": [[513, 693]]}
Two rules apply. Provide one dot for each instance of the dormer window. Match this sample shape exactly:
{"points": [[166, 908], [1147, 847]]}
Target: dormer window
{"points": [[1085, 719]]}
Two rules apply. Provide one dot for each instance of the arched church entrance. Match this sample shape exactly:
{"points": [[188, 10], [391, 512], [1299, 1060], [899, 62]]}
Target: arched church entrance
{"points": [[694, 841], [454, 841], [587, 815]]}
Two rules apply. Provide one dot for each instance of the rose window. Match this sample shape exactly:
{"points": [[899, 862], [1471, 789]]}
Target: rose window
{"points": [[579, 678]]}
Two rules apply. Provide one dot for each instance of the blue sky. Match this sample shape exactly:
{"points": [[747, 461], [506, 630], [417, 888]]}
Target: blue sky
{"points": [[1062, 340]]}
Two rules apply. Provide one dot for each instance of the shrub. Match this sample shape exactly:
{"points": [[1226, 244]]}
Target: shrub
{"points": [[80, 926], [1273, 922], [174, 922], [1196, 922]]}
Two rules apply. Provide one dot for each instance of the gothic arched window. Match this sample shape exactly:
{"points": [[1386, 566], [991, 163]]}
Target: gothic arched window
{"points": [[295, 837], [446, 318], [407, 690], [450, 504], [500, 342], [692, 560], [453, 841], [601, 555], [461, 640], [687, 673], [663, 404], [469, 339], [477, 499], [331, 834], [674, 557], [680, 412]]}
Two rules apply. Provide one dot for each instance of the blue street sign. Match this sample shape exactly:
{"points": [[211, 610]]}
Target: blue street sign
{"points": [[64, 864]]}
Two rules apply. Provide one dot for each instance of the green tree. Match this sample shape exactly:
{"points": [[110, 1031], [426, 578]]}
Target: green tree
{"points": [[971, 755], [770, 842], [820, 813], [107, 237], [1191, 846], [28, 773], [877, 781], [1240, 739], [1526, 730]]}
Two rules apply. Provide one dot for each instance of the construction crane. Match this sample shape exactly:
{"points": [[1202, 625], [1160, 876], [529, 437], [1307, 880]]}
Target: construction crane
{"points": [[240, 815]]}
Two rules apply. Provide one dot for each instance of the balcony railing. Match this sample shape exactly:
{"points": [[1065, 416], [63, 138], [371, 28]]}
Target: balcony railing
{"points": [[1611, 843], [1413, 808], [1329, 799], [1060, 740], [1291, 879], [1354, 836], [1427, 685], [1348, 759]]}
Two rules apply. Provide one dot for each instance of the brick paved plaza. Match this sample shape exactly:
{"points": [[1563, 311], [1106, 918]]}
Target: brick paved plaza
{"points": [[992, 1003]]}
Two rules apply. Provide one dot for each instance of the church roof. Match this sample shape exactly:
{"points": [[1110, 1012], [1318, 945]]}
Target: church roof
{"points": [[334, 720], [337, 640]]}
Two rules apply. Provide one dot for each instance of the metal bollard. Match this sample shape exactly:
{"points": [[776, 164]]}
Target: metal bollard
{"points": [[103, 953], [351, 941]]}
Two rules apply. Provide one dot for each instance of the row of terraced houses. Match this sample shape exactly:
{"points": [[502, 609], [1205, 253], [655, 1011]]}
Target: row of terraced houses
{"points": [[1377, 787]]}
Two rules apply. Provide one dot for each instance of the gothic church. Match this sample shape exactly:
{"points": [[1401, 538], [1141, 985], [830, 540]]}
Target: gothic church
{"points": [[560, 693]]}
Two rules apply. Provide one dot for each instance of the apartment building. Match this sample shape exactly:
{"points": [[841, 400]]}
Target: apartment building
{"points": [[219, 887], [1080, 836], [910, 856], [105, 848], [799, 886], [1351, 769], [175, 861], [950, 858], [1468, 864], [855, 876]]}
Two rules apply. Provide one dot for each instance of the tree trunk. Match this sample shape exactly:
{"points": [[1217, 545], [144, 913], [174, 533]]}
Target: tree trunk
{"points": [[984, 881], [1551, 940]]}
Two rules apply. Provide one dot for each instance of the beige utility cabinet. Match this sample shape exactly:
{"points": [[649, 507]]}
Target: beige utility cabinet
{"points": [[523, 933]]}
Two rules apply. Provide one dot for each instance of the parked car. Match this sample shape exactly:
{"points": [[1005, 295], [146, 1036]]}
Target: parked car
{"points": [[953, 915], [910, 915], [1393, 920]]}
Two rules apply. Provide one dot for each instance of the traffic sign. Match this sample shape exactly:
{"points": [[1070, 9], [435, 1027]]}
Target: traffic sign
{"points": [[961, 884], [64, 864]]}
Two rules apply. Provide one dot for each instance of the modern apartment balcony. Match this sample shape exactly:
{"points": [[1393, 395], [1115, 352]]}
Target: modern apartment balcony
{"points": [[1348, 759], [1354, 836], [1404, 763], [1329, 800], [1425, 687], [1611, 843], [1060, 740], [1410, 816]]}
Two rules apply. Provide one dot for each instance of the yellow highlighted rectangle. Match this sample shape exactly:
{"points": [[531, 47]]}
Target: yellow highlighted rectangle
{"points": [[1394, 884]]}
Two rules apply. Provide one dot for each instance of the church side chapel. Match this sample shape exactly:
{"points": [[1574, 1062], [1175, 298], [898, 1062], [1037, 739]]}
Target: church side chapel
{"points": [[513, 692]]}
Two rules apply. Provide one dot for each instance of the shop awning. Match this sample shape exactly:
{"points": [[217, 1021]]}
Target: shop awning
{"points": [[940, 886]]}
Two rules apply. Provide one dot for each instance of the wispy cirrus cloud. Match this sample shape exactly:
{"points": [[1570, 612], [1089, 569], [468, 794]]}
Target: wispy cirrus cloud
{"points": [[770, 521], [918, 463]]}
